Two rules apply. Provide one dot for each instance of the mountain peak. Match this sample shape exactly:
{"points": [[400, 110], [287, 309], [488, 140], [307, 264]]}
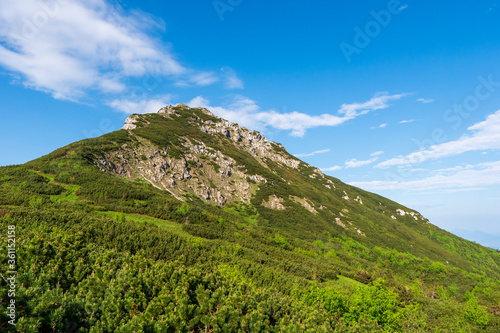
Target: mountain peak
{"points": [[191, 151], [248, 208]]}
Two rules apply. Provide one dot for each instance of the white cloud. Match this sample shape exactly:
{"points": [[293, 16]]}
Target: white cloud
{"points": [[474, 176], [241, 110], [455, 168], [246, 112], [333, 168], [69, 48], [354, 163], [425, 100], [141, 106], [204, 79], [377, 153], [379, 101], [298, 122], [483, 136], [313, 153], [407, 121], [198, 79], [384, 125], [231, 79]]}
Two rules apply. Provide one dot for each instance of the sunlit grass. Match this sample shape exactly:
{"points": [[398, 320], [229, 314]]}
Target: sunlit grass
{"points": [[169, 225]]}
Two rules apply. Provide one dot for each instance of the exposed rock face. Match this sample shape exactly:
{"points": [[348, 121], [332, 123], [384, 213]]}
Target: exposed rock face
{"points": [[359, 232], [130, 122], [416, 216], [304, 204], [274, 202], [167, 110], [206, 173], [251, 141], [202, 171], [339, 222]]}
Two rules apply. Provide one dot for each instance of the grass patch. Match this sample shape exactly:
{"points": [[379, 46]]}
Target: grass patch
{"points": [[49, 176], [344, 282], [247, 212], [68, 195], [169, 225]]}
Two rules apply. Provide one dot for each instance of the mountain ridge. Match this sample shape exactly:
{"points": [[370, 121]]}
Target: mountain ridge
{"points": [[191, 152], [185, 186]]}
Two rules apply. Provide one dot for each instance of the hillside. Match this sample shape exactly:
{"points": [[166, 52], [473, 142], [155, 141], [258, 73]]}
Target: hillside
{"points": [[183, 221]]}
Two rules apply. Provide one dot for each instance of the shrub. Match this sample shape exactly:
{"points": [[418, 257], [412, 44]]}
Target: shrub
{"points": [[475, 313], [36, 203], [281, 241]]}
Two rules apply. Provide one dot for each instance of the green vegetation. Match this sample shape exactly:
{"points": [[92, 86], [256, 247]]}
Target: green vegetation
{"points": [[101, 253]]}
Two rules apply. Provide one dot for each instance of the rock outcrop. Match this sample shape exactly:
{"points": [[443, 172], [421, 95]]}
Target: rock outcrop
{"points": [[200, 170], [192, 153]]}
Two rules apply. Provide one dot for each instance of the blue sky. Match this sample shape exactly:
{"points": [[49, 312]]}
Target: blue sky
{"points": [[397, 97]]}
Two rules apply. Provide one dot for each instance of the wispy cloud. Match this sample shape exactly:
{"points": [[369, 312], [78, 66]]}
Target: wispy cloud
{"points": [[149, 105], [84, 46], [198, 79], [383, 125], [425, 100], [406, 121], [472, 177], [377, 153], [231, 79], [379, 101], [313, 153], [484, 135], [354, 163], [246, 112], [333, 168]]}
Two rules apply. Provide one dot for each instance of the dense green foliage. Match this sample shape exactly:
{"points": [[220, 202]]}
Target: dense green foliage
{"points": [[101, 253]]}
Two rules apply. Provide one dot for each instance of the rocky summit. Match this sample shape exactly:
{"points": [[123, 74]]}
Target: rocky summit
{"points": [[197, 164], [191, 152]]}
